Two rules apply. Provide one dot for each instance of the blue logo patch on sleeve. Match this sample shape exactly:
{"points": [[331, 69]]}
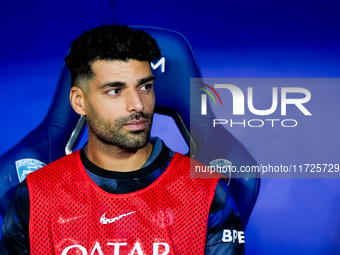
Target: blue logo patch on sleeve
{"points": [[26, 166]]}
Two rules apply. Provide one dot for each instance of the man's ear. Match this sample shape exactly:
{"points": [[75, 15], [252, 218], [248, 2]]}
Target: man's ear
{"points": [[77, 100]]}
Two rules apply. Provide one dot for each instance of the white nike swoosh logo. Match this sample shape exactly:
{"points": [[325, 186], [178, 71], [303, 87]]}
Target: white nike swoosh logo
{"points": [[103, 220]]}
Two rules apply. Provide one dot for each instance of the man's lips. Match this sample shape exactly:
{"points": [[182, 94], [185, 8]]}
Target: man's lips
{"points": [[137, 124]]}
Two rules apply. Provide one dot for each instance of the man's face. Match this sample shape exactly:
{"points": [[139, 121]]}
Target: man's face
{"points": [[119, 103]]}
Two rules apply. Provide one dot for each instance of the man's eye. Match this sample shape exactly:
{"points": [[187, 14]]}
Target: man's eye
{"points": [[146, 87], [114, 92]]}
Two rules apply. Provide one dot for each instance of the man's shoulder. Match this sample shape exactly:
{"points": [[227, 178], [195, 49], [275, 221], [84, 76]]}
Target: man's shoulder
{"points": [[56, 166], [199, 170], [188, 166], [181, 161], [179, 157]]}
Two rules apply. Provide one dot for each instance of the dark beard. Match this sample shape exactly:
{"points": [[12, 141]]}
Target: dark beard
{"points": [[114, 133]]}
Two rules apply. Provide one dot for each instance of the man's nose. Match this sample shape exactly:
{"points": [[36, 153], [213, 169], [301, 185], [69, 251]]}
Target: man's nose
{"points": [[134, 102]]}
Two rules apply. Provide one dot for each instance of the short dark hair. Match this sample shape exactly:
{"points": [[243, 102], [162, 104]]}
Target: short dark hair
{"points": [[115, 42]]}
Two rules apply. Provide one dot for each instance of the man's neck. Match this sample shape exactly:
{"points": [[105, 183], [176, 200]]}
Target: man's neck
{"points": [[113, 158]]}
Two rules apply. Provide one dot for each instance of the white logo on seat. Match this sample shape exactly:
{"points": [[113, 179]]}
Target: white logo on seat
{"points": [[26, 166], [103, 220], [161, 63]]}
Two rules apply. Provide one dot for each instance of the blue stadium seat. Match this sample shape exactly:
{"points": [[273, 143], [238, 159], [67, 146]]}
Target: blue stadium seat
{"points": [[173, 71]]}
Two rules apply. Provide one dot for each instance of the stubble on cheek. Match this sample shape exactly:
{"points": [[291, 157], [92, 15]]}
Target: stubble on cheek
{"points": [[112, 132]]}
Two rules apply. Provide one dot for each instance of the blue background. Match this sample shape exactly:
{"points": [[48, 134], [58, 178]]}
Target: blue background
{"points": [[230, 39]]}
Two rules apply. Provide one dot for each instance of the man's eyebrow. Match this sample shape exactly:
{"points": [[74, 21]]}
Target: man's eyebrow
{"points": [[120, 84], [114, 84], [146, 79]]}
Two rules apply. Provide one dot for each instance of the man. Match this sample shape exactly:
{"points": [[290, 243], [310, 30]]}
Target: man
{"points": [[124, 192]]}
